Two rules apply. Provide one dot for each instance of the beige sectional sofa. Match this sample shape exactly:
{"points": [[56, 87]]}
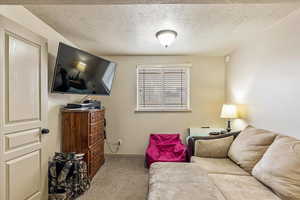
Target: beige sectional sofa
{"points": [[256, 165]]}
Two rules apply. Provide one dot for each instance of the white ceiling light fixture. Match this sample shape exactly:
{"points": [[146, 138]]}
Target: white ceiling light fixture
{"points": [[166, 37]]}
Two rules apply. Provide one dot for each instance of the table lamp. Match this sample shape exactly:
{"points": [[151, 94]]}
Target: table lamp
{"points": [[229, 111]]}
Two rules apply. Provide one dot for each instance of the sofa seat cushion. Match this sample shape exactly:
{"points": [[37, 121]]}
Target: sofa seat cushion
{"points": [[180, 181], [249, 146], [242, 187], [213, 148], [279, 168], [219, 166]]}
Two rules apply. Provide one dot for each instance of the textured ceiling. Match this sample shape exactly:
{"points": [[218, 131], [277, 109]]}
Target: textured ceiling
{"points": [[48, 2], [210, 29]]}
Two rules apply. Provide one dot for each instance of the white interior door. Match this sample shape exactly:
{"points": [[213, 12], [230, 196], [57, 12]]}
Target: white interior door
{"points": [[23, 110]]}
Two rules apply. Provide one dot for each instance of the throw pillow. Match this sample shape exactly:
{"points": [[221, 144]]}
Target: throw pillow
{"points": [[213, 148], [279, 168], [249, 146]]}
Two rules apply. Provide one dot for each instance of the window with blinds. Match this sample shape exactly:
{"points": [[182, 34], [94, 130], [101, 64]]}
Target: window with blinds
{"points": [[163, 88]]}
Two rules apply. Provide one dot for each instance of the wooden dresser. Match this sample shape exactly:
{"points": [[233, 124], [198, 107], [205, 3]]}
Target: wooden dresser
{"points": [[83, 132]]}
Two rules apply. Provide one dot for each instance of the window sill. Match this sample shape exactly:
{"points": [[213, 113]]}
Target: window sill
{"points": [[162, 110]]}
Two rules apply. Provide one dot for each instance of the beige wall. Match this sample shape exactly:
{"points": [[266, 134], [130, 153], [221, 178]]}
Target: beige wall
{"points": [[22, 16], [207, 96], [264, 76], [207, 93]]}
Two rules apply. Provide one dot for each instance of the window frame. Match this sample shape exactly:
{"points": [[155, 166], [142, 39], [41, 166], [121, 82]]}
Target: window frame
{"points": [[187, 67]]}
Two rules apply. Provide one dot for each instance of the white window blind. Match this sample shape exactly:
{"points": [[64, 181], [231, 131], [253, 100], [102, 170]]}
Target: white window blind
{"points": [[163, 88]]}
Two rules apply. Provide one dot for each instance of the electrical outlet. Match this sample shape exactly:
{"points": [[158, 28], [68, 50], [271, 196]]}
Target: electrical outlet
{"points": [[120, 141]]}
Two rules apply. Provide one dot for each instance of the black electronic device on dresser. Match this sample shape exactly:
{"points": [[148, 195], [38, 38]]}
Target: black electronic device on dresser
{"points": [[87, 104]]}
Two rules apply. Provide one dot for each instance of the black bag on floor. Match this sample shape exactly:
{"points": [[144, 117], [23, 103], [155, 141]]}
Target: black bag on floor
{"points": [[68, 177]]}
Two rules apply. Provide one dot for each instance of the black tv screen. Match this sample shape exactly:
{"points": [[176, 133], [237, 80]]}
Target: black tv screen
{"points": [[78, 72]]}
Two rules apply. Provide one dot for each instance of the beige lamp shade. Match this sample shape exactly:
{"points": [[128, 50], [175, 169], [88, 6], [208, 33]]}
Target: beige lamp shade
{"points": [[229, 111]]}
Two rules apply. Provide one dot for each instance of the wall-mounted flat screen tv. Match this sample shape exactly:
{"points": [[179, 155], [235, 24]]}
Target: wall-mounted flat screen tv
{"points": [[79, 72]]}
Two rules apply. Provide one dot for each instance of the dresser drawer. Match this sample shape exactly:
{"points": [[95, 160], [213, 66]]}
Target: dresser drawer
{"points": [[96, 133], [95, 158], [94, 117], [97, 116]]}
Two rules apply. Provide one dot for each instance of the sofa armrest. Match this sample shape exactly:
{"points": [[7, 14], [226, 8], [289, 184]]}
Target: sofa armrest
{"points": [[192, 141]]}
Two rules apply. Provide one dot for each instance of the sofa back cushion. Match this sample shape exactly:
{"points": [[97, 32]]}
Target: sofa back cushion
{"points": [[213, 148], [279, 168], [249, 146]]}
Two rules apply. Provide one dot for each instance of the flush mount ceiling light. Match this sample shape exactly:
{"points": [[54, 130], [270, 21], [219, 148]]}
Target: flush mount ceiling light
{"points": [[166, 37]]}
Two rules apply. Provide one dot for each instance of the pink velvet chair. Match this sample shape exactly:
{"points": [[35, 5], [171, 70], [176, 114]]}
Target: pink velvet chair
{"points": [[165, 148]]}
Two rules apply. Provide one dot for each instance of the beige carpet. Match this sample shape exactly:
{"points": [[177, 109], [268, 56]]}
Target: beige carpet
{"points": [[119, 179]]}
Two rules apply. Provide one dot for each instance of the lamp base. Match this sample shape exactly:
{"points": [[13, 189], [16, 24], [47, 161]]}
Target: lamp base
{"points": [[228, 129]]}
